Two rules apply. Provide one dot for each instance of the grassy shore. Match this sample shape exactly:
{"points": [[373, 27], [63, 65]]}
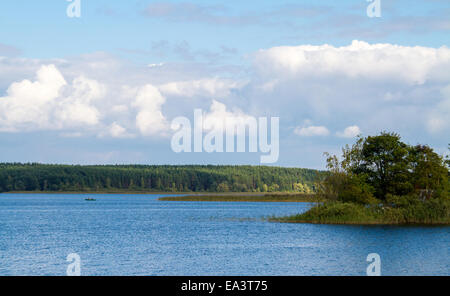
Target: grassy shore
{"points": [[421, 213], [245, 197]]}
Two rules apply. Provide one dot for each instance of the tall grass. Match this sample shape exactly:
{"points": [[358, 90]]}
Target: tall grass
{"points": [[244, 197], [435, 211]]}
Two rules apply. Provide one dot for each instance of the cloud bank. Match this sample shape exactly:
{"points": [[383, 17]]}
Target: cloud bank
{"points": [[411, 65], [345, 91]]}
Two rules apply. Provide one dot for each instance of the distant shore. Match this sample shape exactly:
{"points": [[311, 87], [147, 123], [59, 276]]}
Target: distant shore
{"points": [[244, 197], [96, 192], [199, 196], [337, 213], [196, 196]]}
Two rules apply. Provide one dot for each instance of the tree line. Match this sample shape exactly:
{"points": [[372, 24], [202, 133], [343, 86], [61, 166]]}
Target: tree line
{"points": [[195, 178]]}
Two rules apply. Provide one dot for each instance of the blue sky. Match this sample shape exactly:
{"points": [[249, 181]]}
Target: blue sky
{"points": [[245, 55], [41, 29]]}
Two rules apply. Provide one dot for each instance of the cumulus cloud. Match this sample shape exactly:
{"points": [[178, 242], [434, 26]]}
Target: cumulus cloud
{"points": [[349, 132], [311, 131], [149, 119], [219, 118], [379, 86], [49, 102], [413, 65], [76, 107], [117, 131]]}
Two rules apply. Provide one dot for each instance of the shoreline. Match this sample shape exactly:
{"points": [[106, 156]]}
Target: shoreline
{"points": [[432, 213], [220, 194], [273, 197], [350, 223], [92, 192], [198, 196], [281, 197]]}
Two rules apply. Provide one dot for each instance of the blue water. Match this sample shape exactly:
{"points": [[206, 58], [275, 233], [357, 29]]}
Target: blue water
{"points": [[139, 235]]}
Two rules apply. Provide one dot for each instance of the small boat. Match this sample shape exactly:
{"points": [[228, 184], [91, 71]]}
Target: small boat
{"points": [[90, 199]]}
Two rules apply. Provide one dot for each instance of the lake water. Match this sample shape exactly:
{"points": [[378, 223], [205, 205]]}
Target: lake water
{"points": [[139, 235]]}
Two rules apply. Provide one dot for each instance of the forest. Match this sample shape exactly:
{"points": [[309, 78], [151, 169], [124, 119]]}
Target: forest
{"points": [[34, 177]]}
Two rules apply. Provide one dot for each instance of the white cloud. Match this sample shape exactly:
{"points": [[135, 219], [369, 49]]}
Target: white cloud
{"points": [[219, 118], [117, 131], [49, 102], [150, 120], [379, 86], [383, 86], [311, 131], [349, 132], [76, 108], [120, 109], [80, 107], [414, 65]]}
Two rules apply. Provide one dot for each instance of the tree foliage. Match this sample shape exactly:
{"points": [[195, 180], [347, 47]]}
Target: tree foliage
{"points": [[40, 177], [379, 166]]}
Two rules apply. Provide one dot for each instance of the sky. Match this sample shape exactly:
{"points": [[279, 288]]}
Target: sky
{"points": [[105, 87]]}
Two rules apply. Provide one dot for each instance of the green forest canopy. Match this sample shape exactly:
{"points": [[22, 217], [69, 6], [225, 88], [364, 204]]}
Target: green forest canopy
{"points": [[195, 178]]}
